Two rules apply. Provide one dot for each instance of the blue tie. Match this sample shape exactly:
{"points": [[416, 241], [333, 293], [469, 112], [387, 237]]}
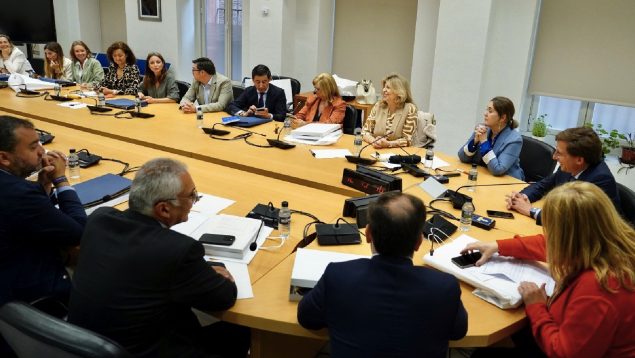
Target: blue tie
{"points": [[261, 100]]}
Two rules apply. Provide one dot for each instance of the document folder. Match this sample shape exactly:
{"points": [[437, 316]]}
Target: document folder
{"points": [[102, 189], [251, 121], [123, 103]]}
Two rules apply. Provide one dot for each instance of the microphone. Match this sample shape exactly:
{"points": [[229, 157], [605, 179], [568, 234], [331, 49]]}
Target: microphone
{"points": [[357, 159], [98, 107], [280, 143], [214, 131], [404, 159], [459, 199], [254, 244], [245, 130], [27, 91]]}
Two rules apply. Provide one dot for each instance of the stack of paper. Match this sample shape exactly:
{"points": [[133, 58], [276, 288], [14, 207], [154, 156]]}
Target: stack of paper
{"points": [[243, 229], [314, 131]]}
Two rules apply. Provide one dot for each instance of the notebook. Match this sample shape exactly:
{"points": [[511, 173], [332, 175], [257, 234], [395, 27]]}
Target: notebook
{"points": [[102, 189]]}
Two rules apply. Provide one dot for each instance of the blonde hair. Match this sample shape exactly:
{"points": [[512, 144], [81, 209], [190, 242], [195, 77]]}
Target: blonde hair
{"points": [[327, 86], [400, 87], [585, 232]]}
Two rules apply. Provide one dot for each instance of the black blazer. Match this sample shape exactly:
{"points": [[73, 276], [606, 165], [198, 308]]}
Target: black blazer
{"points": [[32, 233], [276, 102], [385, 307], [137, 281]]}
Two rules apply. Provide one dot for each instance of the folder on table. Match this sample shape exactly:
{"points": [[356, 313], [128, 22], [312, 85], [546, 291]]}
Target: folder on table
{"points": [[102, 189], [123, 103]]}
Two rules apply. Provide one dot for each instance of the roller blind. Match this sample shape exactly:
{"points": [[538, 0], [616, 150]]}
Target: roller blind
{"points": [[585, 49]]}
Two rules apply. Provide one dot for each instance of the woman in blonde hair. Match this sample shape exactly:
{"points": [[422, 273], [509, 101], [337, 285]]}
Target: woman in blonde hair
{"points": [[590, 251], [394, 117], [324, 106]]}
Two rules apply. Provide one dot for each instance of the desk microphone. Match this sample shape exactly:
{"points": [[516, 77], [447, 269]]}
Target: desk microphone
{"points": [[27, 91], [280, 143], [357, 159], [254, 244], [97, 107], [459, 199], [244, 130]]}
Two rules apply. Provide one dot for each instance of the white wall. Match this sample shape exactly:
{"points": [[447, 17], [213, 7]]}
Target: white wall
{"points": [[423, 52], [75, 20], [113, 23]]}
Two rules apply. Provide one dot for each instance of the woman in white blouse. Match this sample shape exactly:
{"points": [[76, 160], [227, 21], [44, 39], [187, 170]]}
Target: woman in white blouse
{"points": [[12, 60]]}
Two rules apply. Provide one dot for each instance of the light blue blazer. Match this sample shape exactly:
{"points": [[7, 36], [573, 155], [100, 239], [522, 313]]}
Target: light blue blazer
{"points": [[503, 158]]}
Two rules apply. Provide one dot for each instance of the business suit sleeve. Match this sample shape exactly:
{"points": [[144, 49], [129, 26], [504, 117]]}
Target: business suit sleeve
{"points": [[190, 95], [96, 72], [459, 329], [241, 103], [279, 106], [198, 285], [226, 95], [537, 190], [507, 156], [312, 307], [465, 156]]}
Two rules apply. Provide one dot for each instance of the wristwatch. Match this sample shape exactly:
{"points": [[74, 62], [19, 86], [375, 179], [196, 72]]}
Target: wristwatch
{"points": [[533, 212]]}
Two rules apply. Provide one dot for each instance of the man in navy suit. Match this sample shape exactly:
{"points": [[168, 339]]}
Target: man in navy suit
{"points": [[579, 153], [262, 99], [385, 306], [33, 231]]}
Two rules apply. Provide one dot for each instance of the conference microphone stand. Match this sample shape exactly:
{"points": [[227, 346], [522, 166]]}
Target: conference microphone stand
{"points": [[357, 159]]}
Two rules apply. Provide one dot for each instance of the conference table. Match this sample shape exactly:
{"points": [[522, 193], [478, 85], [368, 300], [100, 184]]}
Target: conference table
{"points": [[251, 175]]}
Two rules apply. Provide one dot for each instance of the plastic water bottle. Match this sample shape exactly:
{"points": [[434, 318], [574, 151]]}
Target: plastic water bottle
{"points": [[58, 89], [199, 117], [286, 127], [137, 104], [429, 157], [101, 99], [466, 214], [471, 177], [284, 220], [358, 141], [73, 164]]}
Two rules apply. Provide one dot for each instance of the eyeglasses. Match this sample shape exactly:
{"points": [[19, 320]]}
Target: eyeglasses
{"points": [[193, 196]]}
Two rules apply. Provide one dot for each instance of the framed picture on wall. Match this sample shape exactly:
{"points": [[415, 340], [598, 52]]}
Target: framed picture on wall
{"points": [[149, 10]]}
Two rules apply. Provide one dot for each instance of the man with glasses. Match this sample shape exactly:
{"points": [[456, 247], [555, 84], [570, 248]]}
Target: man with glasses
{"points": [[579, 153], [211, 90], [137, 281], [262, 99]]}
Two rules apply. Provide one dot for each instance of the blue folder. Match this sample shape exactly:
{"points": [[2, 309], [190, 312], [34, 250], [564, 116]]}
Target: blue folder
{"points": [[251, 121], [123, 103], [101, 189]]}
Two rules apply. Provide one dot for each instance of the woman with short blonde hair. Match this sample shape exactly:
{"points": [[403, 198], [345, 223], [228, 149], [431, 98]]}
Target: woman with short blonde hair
{"points": [[590, 251], [324, 106]]}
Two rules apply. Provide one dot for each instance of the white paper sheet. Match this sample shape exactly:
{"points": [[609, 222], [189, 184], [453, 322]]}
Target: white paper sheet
{"points": [[439, 163], [211, 205], [240, 273], [328, 140], [330, 153], [194, 221], [264, 233], [72, 105]]}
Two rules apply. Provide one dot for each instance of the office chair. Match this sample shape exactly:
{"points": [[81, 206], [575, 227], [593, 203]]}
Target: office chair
{"points": [[238, 90], [183, 87], [350, 120], [627, 199], [32, 333], [536, 159], [425, 133]]}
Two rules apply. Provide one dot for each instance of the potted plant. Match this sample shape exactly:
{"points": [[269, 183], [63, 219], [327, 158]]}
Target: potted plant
{"points": [[539, 127], [610, 140], [628, 151]]}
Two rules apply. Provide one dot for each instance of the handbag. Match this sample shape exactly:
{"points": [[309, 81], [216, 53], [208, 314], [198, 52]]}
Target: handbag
{"points": [[366, 92]]}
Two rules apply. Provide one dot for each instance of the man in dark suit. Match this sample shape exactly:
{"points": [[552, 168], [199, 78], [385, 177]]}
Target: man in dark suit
{"points": [[385, 306], [579, 153], [137, 280], [32, 231], [262, 99]]}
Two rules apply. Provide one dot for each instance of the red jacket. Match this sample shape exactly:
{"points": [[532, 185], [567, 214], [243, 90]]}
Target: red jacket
{"points": [[332, 113], [584, 320]]}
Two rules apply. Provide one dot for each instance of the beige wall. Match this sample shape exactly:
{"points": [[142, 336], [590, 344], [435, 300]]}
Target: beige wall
{"points": [[113, 23], [373, 38]]}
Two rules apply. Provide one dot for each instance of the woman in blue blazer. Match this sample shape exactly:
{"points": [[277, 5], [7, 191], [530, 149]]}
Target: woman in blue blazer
{"points": [[494, 143]]}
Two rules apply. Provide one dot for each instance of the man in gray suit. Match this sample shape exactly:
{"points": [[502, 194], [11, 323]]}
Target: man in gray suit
{"points": [[211, 90]]}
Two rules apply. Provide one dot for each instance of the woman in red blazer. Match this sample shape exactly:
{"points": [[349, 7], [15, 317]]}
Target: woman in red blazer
{"points": [[590, 251], [324, 106]]}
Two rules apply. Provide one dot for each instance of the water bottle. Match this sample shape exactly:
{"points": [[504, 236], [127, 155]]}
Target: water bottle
{"points": [[286, 127], [284, 220], [357, 143], [429, 157], [101, 99], [58, 89], [466, 214], [137, 105], [199, 117], [73, 164], [471, 177]]}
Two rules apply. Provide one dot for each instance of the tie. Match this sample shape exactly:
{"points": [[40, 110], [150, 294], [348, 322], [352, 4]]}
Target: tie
{"points": [[261, 101]]}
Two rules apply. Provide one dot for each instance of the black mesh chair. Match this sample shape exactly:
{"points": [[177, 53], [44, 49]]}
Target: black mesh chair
{"points": [[350, 120], [536, 159], [627, 199], [183, 87], [32, 333]]}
